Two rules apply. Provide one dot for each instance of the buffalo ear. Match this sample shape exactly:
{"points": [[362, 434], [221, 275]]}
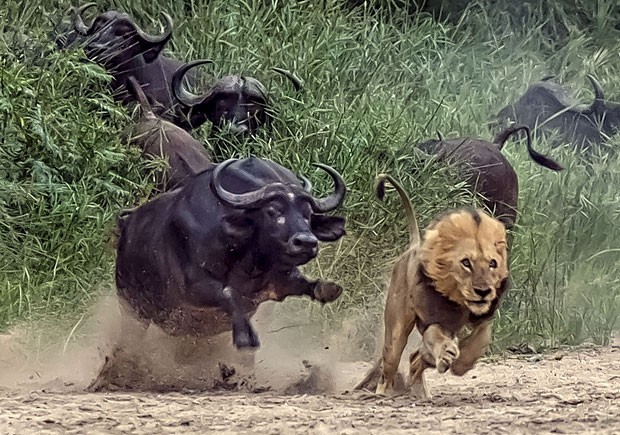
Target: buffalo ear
{"points": [[151, 51], [327, 228], [238, 229]]}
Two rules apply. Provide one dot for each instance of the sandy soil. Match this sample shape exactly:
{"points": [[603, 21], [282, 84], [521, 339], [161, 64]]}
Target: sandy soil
{"points": [[576, 391]]}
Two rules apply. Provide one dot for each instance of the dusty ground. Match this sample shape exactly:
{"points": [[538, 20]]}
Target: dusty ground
{"points": [[579, 393], [576, 391]]}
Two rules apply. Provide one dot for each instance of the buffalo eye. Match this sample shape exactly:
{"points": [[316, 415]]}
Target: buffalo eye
{"points": [[274, 211], [493, 264], [466, 263], [306, 213]]}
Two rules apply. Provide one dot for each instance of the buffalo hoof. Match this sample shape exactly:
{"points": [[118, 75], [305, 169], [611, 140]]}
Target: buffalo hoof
{"points": [[245, 337], [327, 291]]}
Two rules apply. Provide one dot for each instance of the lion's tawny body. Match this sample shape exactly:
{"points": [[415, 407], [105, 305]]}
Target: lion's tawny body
{"points": [[450, 281]]}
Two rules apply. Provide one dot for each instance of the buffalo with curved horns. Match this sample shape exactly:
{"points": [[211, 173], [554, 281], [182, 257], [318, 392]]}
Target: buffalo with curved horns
{"points": [[118, 44], [488, 171], [198, 260], [239, 101], [546, 106]]}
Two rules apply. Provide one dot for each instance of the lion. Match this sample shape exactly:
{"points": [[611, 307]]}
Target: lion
{"points": [[447, 284]]}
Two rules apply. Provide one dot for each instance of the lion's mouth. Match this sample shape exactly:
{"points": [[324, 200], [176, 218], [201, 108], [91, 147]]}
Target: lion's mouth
{"points": [[479, 306]]}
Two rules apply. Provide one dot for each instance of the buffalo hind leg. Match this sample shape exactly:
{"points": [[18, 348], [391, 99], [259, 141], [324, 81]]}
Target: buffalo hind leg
{"points": [[472, 348]]}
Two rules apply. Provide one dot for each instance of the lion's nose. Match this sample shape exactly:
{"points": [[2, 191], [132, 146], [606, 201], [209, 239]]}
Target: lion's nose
{"points": [[482, 292]]}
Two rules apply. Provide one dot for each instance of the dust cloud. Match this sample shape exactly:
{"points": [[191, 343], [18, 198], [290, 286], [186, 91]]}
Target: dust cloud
{"points": [[108, 352]]}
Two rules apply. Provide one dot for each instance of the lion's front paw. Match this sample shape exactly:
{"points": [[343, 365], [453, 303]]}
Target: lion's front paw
{"points": [[459, 368], [449, 352], [327, 291]]}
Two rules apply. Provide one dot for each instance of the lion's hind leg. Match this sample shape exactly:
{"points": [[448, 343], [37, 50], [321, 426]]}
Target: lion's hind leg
{"points": [[397, 330], [371, 379], [416, 382]]}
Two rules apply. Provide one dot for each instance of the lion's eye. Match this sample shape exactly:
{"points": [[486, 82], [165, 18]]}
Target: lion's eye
{"points": [[465, 262], [493, 264]]}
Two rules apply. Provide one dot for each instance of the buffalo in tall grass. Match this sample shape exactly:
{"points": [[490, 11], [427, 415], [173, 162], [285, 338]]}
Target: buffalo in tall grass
{"points": [[546, 106], [238, 101], [488, 171], [118, 44]]}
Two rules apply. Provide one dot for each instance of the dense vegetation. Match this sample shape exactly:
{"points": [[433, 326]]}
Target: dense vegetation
{"points": [[378, 79]]}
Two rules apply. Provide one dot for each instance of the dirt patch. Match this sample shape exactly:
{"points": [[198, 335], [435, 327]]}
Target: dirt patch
{"points": [[578, 392]]}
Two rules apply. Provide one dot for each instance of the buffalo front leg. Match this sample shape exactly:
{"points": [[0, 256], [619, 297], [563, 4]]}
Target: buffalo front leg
{"points": [[244, 335], [472, 348], [211, 293], [295, 284]]}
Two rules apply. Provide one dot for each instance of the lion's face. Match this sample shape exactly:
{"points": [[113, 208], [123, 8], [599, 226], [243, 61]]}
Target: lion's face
{"points": [[465, 255]]}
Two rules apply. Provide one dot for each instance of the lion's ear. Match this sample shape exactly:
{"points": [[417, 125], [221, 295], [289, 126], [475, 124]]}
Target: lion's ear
{"points": [[501, 248]]}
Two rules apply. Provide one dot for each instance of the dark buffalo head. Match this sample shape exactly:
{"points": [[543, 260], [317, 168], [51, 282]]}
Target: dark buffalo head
{"points": [[279, 209], [114, 40], [238, 101], [547, 106]]}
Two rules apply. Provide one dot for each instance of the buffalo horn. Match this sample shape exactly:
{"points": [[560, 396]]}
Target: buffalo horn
{"points": [[334, 200], [306, 183], [156, 39], [599, 98], [243, 200], [78, 20], [296, 81], [177, 81], [254, 88]]}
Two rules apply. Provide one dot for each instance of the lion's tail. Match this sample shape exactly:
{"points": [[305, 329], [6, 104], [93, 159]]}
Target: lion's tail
{"points": [[414, 231]]}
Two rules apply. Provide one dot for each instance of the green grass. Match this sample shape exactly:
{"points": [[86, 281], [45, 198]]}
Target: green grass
{"points": [[375, 84]]}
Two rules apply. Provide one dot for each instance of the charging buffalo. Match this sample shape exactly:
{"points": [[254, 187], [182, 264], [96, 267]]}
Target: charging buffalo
{"points": [[159, 138], [238, 101], [490, 173], [199, 259], [547, 106]]}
